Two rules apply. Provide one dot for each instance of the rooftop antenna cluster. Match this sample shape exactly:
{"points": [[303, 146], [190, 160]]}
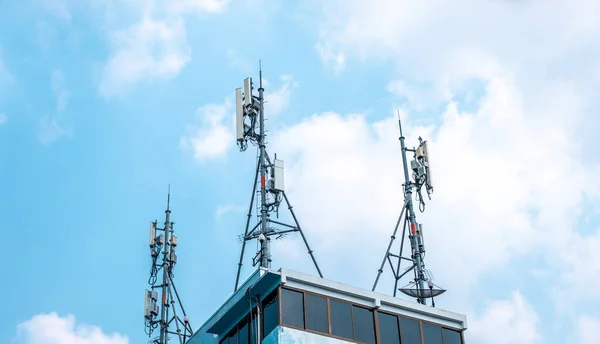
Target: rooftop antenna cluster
{"points": [[250, 128], [157, 312], [422, 286]]}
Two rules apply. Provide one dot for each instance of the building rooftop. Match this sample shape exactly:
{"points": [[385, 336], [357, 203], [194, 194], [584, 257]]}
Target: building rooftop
{"points": [[294, 301]]}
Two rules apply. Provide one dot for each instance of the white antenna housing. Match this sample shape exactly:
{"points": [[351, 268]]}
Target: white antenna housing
{"points": [[428, 165], [152, 233], [278, 175], [239, 114], [248, 91]]}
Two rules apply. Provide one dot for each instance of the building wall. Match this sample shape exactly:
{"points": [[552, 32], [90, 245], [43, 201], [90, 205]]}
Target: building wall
{"points": [[293, 336]]}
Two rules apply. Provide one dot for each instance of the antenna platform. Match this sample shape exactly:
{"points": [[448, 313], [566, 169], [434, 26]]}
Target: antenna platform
{"points": [[420, 165], [164, 245], [250, 127]]}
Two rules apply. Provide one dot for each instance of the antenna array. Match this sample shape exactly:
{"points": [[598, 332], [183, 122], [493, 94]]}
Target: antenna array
{"points": [[250, 127], [421, 177], [163, 246]]}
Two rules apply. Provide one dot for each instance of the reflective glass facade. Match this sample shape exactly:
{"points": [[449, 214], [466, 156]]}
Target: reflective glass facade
{"points": [[336, 318]]}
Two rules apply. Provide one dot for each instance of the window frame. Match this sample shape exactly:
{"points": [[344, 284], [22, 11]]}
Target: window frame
{"points": [[375, 311]]}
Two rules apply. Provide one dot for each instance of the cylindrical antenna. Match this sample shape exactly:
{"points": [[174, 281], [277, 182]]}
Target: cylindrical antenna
{"points": [[169, 198], [260, 72]]}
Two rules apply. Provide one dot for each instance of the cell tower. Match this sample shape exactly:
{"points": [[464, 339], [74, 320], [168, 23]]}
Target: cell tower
{"points": [[164, 258], [250, 127], [421, 176]]}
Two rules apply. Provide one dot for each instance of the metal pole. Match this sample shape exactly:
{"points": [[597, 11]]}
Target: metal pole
{"points": [[265, 259], [186, 323], [302, 233], [165, 268], [413, 222], [237, 278], [400, 255], [387, 252]]}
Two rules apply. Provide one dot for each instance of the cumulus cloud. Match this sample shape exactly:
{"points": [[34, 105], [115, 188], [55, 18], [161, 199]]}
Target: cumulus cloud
{"points": [[148, 50], [506, 321], [53, 329], [587, 330], [212, 138], [486, 193], [154, 46], [500, 166]]}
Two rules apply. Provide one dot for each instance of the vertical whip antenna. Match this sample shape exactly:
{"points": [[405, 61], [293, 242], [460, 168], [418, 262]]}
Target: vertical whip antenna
{"points": [[421, 177]]}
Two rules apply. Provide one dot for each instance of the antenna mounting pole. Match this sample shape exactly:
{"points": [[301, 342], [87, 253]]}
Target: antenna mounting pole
{"points": [[420, 165], [165, 244], [250, 127]]}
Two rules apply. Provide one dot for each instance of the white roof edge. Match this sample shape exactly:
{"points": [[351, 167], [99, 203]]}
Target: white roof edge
{"points": [[376, 299]]}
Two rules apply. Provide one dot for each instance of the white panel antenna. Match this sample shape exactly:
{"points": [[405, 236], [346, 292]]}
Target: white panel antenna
{"points": [[239, 114], [248, 91], [152, 233], [428, 164], [278, 175]]}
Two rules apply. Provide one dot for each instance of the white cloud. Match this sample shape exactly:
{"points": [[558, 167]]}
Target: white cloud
{"points": [[352, 159], [580, 262], [49, 130], [587, 330], [199, 6], [506, 321], [337, 60], [3, 118], [155, 47], [148, 50], [212, 138], [57, 83], [278, 100], [58, 8], [52, 329], [500, 170]]}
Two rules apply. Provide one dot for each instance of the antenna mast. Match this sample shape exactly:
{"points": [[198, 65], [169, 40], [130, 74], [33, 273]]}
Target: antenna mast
{"points": [[250, 118], [420, 165], [164, 244]]}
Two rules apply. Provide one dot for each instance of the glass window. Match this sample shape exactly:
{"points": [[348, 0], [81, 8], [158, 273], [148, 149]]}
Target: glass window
{"points": [[341, 319], [253, 329], [388, 328], [451, 336], [409, 331], [270, 317], [243, 331], [233, 337], [292, 308], [432, 334], [316, 313], [364, 325]]}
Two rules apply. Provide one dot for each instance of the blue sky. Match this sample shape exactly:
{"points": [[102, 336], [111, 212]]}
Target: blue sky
{"points": [[104, 103]]}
